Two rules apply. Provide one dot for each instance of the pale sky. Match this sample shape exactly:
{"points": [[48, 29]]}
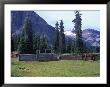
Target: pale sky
{"points": [[90, 19]]}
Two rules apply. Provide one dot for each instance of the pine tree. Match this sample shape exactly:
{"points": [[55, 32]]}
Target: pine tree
{"points": [[68, 47], [61, 38], [36, 42], [43, 43], [73, 47], [56, 46], [78, 31], [22, 45], [17, 42], [12, 44], [26, 38]]}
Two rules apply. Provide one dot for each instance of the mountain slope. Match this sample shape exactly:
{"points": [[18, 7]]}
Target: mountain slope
{"points": [[38, 24], [90, 36]]}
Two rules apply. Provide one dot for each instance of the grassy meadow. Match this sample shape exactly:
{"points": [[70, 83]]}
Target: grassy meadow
{"points": [[62, 68]]}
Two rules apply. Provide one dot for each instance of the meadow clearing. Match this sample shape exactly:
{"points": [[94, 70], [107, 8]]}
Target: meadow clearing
{"points": [[62, 68]]}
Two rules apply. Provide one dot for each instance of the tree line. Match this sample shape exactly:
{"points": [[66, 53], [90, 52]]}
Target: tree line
{"points": [[29, 41]]}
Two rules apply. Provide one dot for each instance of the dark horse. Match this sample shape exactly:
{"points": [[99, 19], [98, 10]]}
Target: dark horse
{"points": [[88, 56]]}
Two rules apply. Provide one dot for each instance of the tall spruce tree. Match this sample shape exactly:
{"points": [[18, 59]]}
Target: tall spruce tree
{"points": [[56, 46], [26, 38], [44, 43], [36, 42], [17, 41], [73, 47], [68, 47], [61, 38], [78, 31], [14, 39], [12, 44], [39, 42]]}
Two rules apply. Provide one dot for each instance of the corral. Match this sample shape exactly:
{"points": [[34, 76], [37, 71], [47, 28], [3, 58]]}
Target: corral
{"points": [[50, 56], [83, 56], [47, 55]]}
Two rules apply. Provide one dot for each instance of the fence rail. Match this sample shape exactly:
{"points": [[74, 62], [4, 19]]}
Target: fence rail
{"points": [[53, 57]]}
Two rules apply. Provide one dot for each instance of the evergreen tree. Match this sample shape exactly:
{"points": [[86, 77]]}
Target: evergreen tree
{"points": [[68, 47], [12, 44], [22, 45], [17, 42], [73, 47], [43, 43], [78, 31], [36, 42], [61, 38], [86, 47], [26, 38], [56, 46], [98, 49]]}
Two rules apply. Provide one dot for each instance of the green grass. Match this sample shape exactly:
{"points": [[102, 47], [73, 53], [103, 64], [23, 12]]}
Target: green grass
{"points": [[62, 68]]}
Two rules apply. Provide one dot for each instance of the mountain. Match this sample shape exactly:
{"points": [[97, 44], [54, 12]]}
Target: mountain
{"points": [[91, 36], [38, 24]]}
